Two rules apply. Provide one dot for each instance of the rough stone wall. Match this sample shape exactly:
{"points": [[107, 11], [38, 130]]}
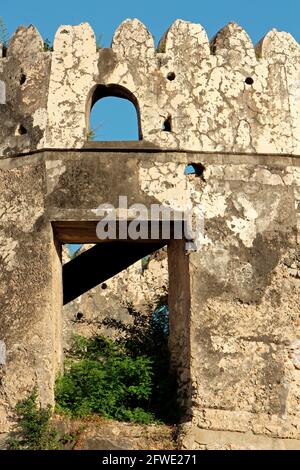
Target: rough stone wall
{"points": [[235, 324], [24, 86], [180, 322], [244, 294], [224, 96], [137, 286], [234, 302], [209, 103], [30, 291]]}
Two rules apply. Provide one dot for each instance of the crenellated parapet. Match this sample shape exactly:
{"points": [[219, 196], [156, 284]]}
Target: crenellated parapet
{"points": [[223, 96], [24, 82]]}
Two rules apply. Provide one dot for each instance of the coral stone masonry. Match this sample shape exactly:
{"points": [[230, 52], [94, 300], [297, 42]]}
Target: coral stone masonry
{"points": [[229, 110]]}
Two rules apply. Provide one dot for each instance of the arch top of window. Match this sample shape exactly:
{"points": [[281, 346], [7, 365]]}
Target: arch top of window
{"points": [[112, 91]]}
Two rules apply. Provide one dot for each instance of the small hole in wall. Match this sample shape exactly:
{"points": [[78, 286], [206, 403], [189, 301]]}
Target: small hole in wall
{"points": [[23, 79], [196, 169], [79, 316], [249, 81], [103, 286], [21, 130], [167, 125], [171, 76]]}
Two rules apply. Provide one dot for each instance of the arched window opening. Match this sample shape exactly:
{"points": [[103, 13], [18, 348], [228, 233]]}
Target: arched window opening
{"points": [[114, 115]]}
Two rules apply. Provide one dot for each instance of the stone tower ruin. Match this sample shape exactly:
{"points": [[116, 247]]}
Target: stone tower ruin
{"points": [[228, 109]]}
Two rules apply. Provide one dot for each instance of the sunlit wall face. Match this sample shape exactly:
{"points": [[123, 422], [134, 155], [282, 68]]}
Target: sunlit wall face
{"points": [[113, 119]]}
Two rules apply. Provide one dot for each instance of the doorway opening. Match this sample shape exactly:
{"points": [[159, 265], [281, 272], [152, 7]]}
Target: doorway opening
{"points": [[121, 303], [124, 319]]}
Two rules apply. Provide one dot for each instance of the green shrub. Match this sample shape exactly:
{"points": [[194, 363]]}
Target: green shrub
{"points": [[91, 135], [126, 379], [148, 335], [48, 46], [34, 430], [104, 380]]}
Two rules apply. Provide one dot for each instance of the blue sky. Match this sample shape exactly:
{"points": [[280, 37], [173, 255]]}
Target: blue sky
{"points": [[115, 119], [257, 17]]}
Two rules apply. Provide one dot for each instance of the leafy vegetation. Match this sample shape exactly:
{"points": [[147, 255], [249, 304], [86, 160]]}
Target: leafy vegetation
{"points": [[91, 135], [34, 429], [126, 379], [161, 48], [48, 46], [105, 381]]}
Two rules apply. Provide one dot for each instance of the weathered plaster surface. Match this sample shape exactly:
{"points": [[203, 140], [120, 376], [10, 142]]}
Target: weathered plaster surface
{"points": [[234, 300], [111, 299], [24, 86], [240, 344], [30, 291], [244, 298], [224, 96]]}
